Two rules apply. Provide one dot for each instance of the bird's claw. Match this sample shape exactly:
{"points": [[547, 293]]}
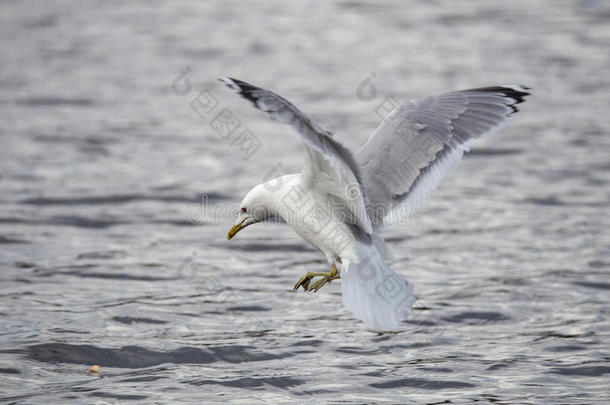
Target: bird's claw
{"points": [[321, 283], [304, 281], [326, 278]]}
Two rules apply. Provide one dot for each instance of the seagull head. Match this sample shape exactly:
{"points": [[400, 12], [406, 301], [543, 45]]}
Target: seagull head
{"points": [[254, 208]]}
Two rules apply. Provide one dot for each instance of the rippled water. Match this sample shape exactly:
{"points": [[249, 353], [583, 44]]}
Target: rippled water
{"points": [[107, 258]]}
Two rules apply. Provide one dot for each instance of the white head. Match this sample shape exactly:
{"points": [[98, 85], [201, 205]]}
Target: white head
{"points": [[257, 206]]}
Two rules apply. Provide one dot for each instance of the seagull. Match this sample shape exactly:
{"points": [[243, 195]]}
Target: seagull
{"points": [[340, 202]]}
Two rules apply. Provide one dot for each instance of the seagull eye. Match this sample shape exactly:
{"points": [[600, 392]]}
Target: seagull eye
{"points": [[243, 209]]}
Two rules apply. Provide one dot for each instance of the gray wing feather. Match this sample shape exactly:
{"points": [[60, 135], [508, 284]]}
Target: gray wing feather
{"points": [[330, 167], [419, 142]]}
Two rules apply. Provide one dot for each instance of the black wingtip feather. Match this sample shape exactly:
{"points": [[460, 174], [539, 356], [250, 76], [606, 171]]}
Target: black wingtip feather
{"points": [[244, 89], [516, 93]]}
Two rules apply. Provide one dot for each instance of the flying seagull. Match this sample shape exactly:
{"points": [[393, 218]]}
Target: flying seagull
{"points": [[340, 202]]}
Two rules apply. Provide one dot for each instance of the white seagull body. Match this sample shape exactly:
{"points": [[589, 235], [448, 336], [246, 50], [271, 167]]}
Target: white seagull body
{"points": [[340, 202]]}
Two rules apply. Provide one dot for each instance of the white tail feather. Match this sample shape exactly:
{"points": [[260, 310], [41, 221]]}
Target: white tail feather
{"points": [[383, 248], [375, 294]]}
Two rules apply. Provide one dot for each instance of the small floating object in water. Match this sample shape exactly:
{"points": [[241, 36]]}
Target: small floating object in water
{"points": [[94, 369]]}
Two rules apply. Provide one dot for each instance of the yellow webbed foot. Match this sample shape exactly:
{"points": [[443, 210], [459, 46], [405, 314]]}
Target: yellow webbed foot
{"points": [[326, 278]]}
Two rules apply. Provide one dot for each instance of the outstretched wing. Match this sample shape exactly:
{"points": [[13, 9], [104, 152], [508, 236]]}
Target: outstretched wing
{"points": [[416, 145], [330, 167]]}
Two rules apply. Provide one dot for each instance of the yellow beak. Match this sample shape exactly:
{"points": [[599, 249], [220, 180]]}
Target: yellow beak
{"points": [[236, 228], [233, 231]]}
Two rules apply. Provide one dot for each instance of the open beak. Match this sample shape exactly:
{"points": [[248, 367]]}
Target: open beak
{"points": [[235, 228]]}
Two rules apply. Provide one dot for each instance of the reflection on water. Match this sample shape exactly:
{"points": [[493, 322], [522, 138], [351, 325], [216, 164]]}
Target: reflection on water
{"points": [[102, 162]]}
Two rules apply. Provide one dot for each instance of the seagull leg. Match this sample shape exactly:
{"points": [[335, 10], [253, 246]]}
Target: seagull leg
{"points": [[304, 281], [333, 274]]}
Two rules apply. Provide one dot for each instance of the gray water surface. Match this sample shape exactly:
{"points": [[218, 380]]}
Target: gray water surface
{"points": [[115, 197]]}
